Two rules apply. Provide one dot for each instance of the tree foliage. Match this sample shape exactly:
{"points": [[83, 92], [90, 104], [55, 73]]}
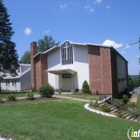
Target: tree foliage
{"points": [[46, 43], [25, 59], [85, 87], [130, 83], [8, 54]]}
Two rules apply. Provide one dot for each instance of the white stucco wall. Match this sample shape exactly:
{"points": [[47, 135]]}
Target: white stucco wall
{"points": [[53, 59], [121, 68], [81, 65]]}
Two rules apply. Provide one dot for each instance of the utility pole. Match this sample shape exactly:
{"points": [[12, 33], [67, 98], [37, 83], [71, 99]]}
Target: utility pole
{"points": [[139, 62]]}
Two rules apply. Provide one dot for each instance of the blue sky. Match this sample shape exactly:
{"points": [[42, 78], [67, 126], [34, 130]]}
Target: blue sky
{"points": [[112, 22]]}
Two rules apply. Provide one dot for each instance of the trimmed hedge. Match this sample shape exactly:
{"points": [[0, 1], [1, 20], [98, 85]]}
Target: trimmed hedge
{"points": [[46, 90]]}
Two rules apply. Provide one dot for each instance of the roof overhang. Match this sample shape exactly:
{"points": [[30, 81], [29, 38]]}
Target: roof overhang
{"points": [[61, 71]]}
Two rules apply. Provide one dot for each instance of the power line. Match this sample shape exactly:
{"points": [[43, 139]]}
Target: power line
{"points": [[129, 44]]}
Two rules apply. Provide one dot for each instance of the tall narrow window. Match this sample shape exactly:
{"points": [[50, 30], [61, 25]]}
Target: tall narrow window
{"points": [[66, 53], [14, 83]]}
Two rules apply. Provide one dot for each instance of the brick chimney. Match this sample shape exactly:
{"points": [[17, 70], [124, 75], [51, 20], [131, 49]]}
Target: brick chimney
{"points": [[33, 51]]}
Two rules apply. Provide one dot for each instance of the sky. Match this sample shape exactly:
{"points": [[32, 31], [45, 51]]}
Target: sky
{"points": [[108, 22]]}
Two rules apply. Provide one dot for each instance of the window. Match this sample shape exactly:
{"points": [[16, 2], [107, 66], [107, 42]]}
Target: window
{"points": [[66, 53], [67, 75], [14, 83], [7, 83]]}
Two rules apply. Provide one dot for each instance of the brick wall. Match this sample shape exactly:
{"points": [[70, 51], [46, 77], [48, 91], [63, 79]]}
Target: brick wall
{"points": [[33, 51], [39, 76], [100, 69]]}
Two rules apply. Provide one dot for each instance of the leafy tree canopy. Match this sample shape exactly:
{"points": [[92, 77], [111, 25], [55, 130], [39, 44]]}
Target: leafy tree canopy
{"points": [[46, 43], [8, 54], [130, 83], [25, 59]]}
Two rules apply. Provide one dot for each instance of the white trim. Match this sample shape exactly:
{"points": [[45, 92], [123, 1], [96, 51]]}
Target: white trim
{"points": [[37, 54], [24, 64], [51, 49], [97, 111], [19, 76]]}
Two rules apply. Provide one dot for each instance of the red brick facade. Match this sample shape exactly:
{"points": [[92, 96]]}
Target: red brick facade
{"points": [[100, 69], [39, 76]]}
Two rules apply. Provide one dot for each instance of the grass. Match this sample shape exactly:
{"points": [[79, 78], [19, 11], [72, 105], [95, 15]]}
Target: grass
{"points": [[60, 120], [3, 95], [80, 95]]}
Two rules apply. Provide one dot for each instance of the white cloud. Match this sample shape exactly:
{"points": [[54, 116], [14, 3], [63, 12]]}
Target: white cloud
{"points": [[27, 31], [46, 32], [107, 7], [89, 8], [97, 1], [112, 43], [63, 6]]}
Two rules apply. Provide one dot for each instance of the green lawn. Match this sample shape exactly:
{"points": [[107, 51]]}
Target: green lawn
{"points": [[3, 95], [60, 120], [82, 96]]}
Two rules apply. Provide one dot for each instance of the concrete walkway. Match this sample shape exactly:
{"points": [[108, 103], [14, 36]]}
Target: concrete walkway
{"points": [[134, 98], [71, 98]]}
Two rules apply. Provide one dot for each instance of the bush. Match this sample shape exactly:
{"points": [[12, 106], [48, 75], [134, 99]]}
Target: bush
{"points": [[105, 108], [120, 114], [97, 93], [46, 90], [119, 103], [1, 101], [85, 87], [94, 104], [125, 99], [29, 96], [11, 97], [130, 104]]}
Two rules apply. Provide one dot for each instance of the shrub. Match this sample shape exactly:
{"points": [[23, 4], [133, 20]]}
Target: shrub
{"points": [[1, 101], [105, 108], [130, 104], [90, 92], [125, 99], [11, 97], [97, 93], [85, 87], [119, 103], [94, 104], [29, 96], [120, 114], [46, 90]]}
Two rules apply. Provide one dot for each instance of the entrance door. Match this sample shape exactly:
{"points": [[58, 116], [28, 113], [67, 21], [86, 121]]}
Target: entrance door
{"points": [[67, 82]]}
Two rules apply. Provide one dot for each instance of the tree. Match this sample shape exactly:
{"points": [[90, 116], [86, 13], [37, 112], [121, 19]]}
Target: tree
{"points": [[25, 59], [130, 83], [46, 43], [8, 54]]}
